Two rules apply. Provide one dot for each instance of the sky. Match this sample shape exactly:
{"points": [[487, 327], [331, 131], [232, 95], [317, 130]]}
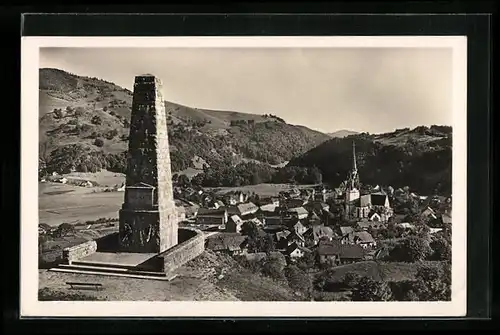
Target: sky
{"points": [[371, 90]]}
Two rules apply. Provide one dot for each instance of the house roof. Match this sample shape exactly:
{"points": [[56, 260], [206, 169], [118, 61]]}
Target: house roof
{"points": [[299, 211], [294, 235], [352, 251], [226, 241], [378, 199], [319, 231], [294, 246], [406, 225], [247, 207], [368, 224], [446, 218], [365, 200], [282, 234], [346, 230], [364, 236], [236, 219], [211, 211]]}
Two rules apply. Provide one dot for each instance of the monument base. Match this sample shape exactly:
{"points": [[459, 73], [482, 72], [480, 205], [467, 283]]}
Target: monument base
{"points": [[106, 258], [147, 231]]}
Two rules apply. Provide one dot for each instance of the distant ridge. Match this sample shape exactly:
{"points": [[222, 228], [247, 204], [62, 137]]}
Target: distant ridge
{"points": [[342, 133]]}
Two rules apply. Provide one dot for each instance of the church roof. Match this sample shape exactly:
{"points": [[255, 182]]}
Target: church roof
{"points": [[378, 199]]}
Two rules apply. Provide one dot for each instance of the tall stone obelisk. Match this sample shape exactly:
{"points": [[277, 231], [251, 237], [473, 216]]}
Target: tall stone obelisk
{"points": [[148, 218]]}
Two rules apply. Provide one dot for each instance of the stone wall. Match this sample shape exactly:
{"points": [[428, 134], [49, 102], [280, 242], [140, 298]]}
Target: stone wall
{"points": [[192, 244], [79, 251]]}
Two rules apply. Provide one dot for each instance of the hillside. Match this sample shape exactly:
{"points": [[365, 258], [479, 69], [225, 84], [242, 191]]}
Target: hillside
{"points": [[343, 133], [419, 158], [82, 117]]}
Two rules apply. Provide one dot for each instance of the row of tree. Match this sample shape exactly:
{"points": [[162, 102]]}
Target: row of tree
{"points": [[250, 173]]}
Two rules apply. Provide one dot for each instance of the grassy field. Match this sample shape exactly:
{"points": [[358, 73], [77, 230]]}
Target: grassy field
{"points": [[382, 271], [58, 203]]}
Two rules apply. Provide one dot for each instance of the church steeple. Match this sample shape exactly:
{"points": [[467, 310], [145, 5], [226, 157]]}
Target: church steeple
{"points": [[354, 165]]}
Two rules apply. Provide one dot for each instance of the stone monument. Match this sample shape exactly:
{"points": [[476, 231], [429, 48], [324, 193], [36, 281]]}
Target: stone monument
{"points": [[148, 219]]}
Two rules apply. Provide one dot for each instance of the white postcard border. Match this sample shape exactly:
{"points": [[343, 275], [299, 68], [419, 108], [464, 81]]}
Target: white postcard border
{"points": [[31, 307]]}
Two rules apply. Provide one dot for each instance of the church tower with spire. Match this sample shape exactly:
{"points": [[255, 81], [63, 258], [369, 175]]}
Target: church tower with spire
{"points": [[352, 185]]}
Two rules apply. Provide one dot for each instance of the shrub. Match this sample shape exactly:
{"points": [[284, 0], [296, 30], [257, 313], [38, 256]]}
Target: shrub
{"points": [[368, 289], [96, 119], [99, 142], [411, 249], [298, 280]]}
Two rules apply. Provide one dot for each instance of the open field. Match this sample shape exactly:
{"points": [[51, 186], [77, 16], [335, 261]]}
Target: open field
{"points": [[383, 271], [58, 203], [102, 178]]}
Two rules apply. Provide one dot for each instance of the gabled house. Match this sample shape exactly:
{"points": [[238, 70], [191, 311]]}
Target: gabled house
{"points": [[345, 231], [212, 216], [234, 224], [317, 233], [268, 208], [282, 235], [428, 213], [365, 225], [298, 213], [293, 202], [298, 226], [335, 253], [295, 237], [364, 239], [295, 251], [243, 209], [233, 244]]}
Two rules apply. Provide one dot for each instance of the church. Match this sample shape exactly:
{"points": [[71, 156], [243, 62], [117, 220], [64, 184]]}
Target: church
{"points": [[372, 206]]}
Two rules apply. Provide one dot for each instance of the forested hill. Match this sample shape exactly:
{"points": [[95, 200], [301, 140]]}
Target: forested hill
{"points": [[420, 158], [84, 123]]}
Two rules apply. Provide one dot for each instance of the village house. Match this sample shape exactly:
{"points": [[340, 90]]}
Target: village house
{"points": [[293, 237], [268, 207], [364, 239], [317, 233], [298, 213], [336, 253], [406, 226], [345, 233], [231, 243], [210, 216], [298, 226], [243, 209], [235, 198], [294, 203], [295, 251], [234, 224], [365, 225], [281, 235], [273, 219], [429, 214]]}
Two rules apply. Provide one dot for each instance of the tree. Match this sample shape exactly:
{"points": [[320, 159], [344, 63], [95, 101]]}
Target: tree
{"points": [[64, 229], [96, 119], [411, 249], [273, 268], [433, 283], [98, 142], [79, 111], [368, 289], [441, 249], [352, 279], [298, 280]]}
